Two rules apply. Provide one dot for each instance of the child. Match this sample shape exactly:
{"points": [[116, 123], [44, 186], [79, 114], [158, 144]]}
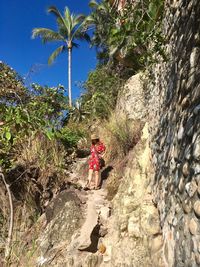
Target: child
{"points": [[97, 149]]}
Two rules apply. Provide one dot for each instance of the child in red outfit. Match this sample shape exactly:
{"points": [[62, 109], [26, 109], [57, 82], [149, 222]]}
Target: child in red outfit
{"points": [[97, 149]]}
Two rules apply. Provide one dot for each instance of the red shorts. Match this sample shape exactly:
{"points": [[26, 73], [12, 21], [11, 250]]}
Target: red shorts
{"points": [[94, 165]]}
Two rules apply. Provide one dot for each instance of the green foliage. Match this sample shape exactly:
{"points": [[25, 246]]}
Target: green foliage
{"points": [[78, 113], [102, 87], [49, 102], [133, 35], [37, 110], [70, 29], [11, 85], [103, 18], [70, 136]]}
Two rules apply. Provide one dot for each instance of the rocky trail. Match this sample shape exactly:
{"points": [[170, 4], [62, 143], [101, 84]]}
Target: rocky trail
{"points": [[115, 226], [82, 228], [87, 245], [70, 231]]}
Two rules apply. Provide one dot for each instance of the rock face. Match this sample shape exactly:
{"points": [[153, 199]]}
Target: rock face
{"points": [[174, 112], [53, 230], [153, 220], [63, 218], [134, 237], [131, 100]]}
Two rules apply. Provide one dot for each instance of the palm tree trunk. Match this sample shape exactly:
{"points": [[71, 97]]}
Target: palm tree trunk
{"points": [[70, 76]]}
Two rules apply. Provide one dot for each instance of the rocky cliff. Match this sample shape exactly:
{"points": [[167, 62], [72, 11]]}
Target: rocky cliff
{"points": [[92, 228], [174, 112], [152, 219]]}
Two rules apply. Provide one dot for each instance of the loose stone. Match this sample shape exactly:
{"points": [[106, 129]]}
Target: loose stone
{"points": [[156, 244], [191, 188]]}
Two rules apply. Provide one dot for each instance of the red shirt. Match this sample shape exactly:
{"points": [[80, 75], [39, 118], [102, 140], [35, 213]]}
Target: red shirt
{"points": [[96, 151]]}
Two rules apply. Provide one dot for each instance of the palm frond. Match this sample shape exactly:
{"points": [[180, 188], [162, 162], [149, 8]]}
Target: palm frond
{"points": [[68, 20], [93, 4], [47, 35], [56, 12], [63, 31], [79, 19], [58, 51], [67, 13], [75, 45], [82, 35], [89, 21]]}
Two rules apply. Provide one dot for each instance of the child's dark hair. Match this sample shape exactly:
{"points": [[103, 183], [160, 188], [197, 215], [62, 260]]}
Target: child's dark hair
{"points": [[95, 141]]}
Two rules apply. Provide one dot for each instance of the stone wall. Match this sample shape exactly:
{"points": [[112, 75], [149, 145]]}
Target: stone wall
{"points": [[174, 115]]}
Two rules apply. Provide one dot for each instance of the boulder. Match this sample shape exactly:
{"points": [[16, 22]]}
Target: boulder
{"points": [[131, 99]]}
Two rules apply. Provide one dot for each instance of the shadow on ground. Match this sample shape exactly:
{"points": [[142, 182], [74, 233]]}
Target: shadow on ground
{"points": [[105, 173]]}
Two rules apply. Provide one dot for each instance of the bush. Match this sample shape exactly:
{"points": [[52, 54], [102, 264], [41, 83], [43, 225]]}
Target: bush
{"points": [[131, 35], [70, 135], [101, 91]]}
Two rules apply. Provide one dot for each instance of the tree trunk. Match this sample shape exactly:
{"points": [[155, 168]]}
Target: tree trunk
{"points": [[70, 75], [10, 231]]}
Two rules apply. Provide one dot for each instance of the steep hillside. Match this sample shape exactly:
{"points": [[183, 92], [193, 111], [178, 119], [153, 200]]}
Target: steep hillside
{"points": [[92, 228], [147, 212]]}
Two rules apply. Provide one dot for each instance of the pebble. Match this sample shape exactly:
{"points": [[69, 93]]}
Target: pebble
{"points": [[197, 258], [196, 168], [197, 109], [156, 244], [180, 132], [187, 206], [181, 185], [193, 227], [197, 208], [196, 149], [191, 188], [198, 188], [186, 169]]}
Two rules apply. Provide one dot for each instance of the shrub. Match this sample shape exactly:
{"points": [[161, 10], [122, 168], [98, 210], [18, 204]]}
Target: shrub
{"points": [[101, 91], [38, 165], [131, 35], [70, 135]]}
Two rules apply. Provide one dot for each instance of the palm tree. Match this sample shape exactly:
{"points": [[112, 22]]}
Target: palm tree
{"points": [[71, 28]]}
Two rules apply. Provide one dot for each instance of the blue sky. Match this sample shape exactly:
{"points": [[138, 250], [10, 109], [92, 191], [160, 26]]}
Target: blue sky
{"points": [[17, 19]]}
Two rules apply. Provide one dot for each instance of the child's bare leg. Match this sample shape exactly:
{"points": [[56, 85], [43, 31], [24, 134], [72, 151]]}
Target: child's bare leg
{"points": [[97, 179], [89, 177]]}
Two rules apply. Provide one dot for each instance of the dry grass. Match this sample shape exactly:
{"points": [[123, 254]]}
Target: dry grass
{"points": [[39, 151], [38, 173], [120, 135]]}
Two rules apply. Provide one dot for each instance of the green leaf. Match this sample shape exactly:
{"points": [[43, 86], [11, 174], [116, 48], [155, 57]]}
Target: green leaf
{"points": [[8, 135], [49, 134]]}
